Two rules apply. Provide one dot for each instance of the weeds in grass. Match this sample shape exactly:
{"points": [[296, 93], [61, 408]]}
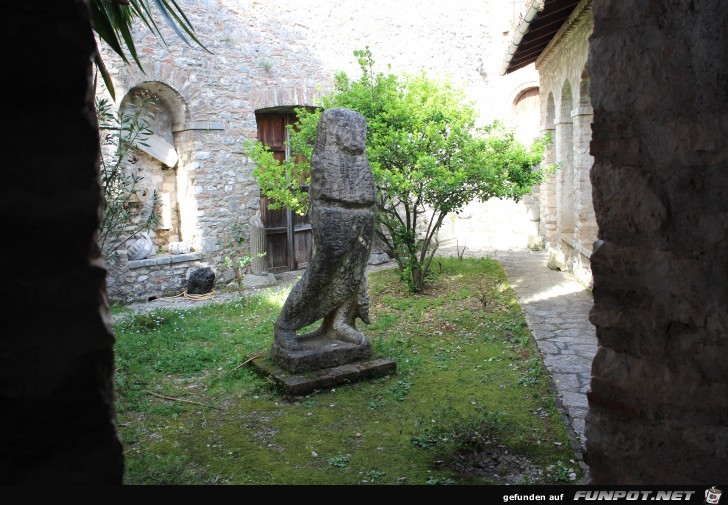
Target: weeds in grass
{"points": [[373, 476], [458, 431], [339, 461], [533, 372], [440, 481], [562, 473]]}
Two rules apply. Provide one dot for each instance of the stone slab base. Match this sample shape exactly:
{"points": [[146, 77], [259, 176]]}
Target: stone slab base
{"points": [[259, 281], [303, 383], [317, 353]]}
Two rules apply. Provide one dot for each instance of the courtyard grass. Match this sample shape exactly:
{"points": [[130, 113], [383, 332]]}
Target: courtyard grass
{"points": [[470, 402]]}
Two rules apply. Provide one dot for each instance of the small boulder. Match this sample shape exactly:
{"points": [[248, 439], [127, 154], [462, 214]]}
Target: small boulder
{"points": [[179, 248], [201, 281], [378, 258], [557, 261]]}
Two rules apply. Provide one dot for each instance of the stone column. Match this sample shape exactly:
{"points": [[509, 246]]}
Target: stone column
{"points": [[56, 350], [259, 264], [658, 405], [547, 195], [585, 226], [565, 179]]}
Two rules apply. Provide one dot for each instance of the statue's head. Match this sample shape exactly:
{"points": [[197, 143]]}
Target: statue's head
{"points": [[339, 167], [349, 129]]}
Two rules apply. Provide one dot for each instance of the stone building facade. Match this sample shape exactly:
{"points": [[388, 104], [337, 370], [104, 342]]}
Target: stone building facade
{"points": [[273, 56], [634, 96], [567, 223], [567, 226]]}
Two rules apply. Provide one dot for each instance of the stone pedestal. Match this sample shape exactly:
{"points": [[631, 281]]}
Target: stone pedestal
{"points": [[302, 383], [317, 353]]}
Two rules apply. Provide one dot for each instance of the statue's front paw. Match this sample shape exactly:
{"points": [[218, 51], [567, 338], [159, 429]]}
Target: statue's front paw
{"points": [[287, 340], [351, 335]]}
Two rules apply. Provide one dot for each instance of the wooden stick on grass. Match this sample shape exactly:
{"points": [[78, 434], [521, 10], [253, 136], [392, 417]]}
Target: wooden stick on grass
{"points": [[181, 400], [248, 360]]}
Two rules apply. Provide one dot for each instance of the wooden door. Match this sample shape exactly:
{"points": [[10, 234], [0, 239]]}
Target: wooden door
{"points": [[288, 235]]}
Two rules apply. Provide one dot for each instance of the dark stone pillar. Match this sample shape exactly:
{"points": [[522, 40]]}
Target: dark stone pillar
{"points": [[56, 350], [658, 406]]}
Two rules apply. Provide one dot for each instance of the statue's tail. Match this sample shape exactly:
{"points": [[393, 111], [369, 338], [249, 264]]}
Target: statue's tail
{"points": [[363, 300]]}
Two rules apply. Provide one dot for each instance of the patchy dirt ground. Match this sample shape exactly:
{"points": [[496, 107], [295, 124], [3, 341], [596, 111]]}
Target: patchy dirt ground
{"points": [[499, 466]]}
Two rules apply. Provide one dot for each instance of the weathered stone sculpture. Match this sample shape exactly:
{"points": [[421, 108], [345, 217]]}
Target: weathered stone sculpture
{"points": [[334, 286], [142, 247]]}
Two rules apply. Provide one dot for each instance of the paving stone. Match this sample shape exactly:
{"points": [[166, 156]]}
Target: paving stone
{"points": [[560, 325], [588, 349], [566, 381], [575, 399], [567, 363], [549, 347], [571, 332], [579, 429]]}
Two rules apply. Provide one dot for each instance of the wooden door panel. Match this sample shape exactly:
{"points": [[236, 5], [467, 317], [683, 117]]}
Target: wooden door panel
{"points": [[272, 218], [302, 245], [272, 131], [276, 251], [288, 235]]}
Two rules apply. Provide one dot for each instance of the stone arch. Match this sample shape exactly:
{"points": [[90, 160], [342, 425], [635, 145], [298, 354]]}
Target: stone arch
{"points": [[525, 114], [520, 89], [566, 102], [158, 163], [548, 210], [525, 107], [550, 112], [584, 96], [172, 99], [174, 85], [295, 95]]}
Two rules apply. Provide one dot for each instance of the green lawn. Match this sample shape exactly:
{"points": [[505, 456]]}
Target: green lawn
{"points": [[469, 404]]}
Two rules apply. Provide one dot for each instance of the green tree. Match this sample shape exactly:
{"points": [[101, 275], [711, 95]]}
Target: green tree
{"points": [[284, 182], [427, 154]]}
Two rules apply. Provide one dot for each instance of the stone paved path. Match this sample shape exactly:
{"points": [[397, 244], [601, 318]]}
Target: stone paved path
{"points": [[556, 307]]}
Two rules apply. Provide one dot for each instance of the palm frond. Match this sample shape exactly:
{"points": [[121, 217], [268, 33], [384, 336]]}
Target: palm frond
{"points": [[113, 21]]}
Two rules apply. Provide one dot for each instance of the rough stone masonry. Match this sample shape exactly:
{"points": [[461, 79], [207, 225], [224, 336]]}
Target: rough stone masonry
{"points": [[334, 286]]}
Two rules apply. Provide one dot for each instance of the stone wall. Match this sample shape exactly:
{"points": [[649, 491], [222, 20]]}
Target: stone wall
{"points": [[284, 53], [658, 405], [567, 224], [157, 276]]}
